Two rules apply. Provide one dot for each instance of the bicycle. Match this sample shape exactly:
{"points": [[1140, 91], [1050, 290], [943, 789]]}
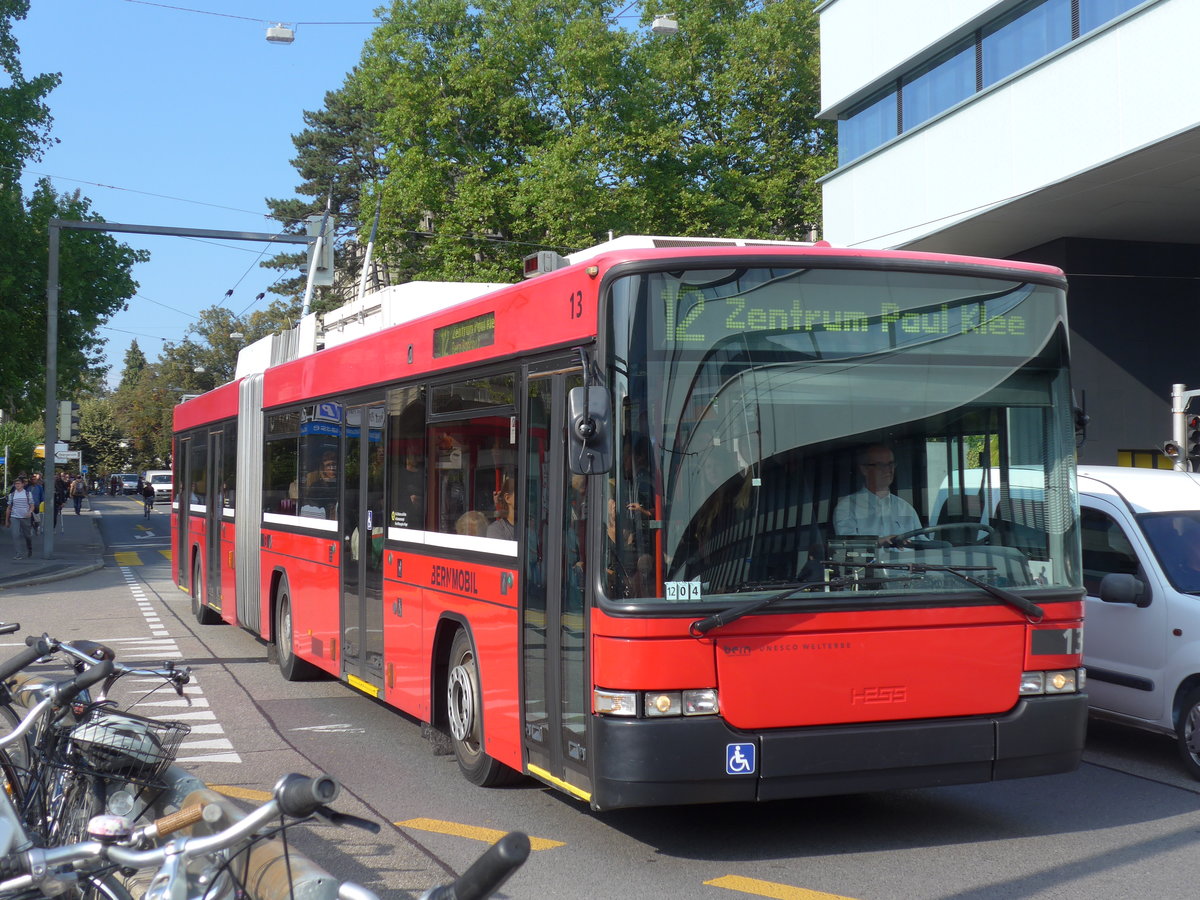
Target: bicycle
{"points": [[94, 756], [114, 843]]}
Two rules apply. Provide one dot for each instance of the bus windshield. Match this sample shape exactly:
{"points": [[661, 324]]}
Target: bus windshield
{"points": [[857, 430]]}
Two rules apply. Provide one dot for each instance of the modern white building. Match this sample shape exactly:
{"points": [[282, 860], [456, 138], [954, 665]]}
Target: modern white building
{"points": [[1057, 131]]}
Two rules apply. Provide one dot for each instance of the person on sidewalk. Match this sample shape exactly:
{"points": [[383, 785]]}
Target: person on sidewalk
{"points": [[78, 492], [19, 516], [61, 489], [39, 495]]}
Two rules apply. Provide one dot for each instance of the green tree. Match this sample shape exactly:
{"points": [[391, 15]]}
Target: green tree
{"points": [[99, 435], [337, 162], [512, 124], [135, 362], [95, 270], [20, 439]]}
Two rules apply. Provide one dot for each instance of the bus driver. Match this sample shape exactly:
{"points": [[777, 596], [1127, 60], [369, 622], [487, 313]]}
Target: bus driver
{"points": [[874, 509]]}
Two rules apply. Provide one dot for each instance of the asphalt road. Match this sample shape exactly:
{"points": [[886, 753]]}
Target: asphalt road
{"points": [[1124, 825]]}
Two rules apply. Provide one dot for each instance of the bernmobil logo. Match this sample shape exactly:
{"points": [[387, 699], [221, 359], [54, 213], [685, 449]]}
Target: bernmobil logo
{"points": [[461, 580], [735, 650], [889, 694]]}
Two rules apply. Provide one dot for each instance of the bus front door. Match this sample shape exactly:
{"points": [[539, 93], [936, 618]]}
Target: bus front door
{"points": [[361, 515], [555, 678]]}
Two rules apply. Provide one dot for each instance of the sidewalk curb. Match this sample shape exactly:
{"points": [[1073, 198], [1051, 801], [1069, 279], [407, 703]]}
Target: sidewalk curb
{"points": [[37, 578]]}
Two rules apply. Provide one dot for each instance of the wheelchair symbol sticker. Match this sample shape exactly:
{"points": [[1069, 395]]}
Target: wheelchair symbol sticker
{"points": [[739, 759]]}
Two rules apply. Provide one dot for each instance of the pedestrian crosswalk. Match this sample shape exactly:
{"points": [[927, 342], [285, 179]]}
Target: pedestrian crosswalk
{"points": [[207, 742]]}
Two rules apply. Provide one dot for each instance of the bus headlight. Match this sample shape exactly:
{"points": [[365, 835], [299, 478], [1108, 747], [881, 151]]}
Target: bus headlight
{"points": [[656, 704], [1057, 681], [701, 703]]}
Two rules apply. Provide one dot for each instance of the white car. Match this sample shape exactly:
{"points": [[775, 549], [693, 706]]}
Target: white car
{"points": [[1141, 570], [129, 482]]}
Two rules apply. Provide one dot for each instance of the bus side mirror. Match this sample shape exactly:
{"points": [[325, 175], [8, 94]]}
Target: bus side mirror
{"points": [[589, 423]]}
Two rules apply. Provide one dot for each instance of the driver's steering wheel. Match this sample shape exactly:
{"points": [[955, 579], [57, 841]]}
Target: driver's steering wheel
{"points": [[951, 526]]}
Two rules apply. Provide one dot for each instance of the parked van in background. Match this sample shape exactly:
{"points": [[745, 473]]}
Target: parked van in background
{"points": [[161, 479], [1141, 570]]}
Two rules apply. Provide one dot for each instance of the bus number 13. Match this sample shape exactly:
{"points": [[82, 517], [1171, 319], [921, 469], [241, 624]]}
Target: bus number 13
{"points": [[575, 304]]}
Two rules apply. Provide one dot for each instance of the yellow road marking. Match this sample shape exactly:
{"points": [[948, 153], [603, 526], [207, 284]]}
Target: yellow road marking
{"points": [[474, 832], [770, 889], [127, 558], [166, 554]]}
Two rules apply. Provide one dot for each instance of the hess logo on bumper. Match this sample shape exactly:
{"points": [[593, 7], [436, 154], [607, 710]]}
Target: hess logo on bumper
{"points": [[868, 695]]}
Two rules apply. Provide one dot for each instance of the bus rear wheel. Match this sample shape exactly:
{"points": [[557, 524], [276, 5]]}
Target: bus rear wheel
{"points": [[464, 711], [290, 666], [202, 613]]}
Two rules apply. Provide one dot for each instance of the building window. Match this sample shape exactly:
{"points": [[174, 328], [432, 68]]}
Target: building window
{"points": [[868, 127], [937, 88], [1031, 32], [1094, 13], [1026, 36]]}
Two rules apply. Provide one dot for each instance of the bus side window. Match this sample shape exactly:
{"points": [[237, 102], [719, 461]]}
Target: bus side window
{"points": [[407, 469], [473, 468]]}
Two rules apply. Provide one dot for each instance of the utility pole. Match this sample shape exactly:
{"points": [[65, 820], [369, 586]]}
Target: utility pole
{"points": [[56, 226]]}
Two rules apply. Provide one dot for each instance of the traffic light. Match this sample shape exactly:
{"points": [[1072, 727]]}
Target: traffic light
{"points": [[1193, 441], [68, 420]]}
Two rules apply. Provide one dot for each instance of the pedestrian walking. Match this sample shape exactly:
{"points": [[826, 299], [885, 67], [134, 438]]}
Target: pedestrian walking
{"points": [[78, 492], [61, 489], [39, 498], [148, 497], [19, 518]]}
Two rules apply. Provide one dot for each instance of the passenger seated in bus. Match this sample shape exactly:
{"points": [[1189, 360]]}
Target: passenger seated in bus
{"points": [[321, 486], [505, 526], [473, 523], [874, 509]]}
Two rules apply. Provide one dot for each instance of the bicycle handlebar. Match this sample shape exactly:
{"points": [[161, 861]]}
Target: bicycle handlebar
{"points": [[27, 657], [67, 691], [488, 872], [300, 797]]}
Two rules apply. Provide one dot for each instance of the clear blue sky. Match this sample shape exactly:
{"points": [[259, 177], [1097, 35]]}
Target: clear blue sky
{"points": [[181, 113]]}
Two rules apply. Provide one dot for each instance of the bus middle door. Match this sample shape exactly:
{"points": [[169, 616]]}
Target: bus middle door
{"points": [[361, 515]]}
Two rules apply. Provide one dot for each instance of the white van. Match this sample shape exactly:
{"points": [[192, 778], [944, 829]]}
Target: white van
{"points": [[161, 479], [1141, 570]]}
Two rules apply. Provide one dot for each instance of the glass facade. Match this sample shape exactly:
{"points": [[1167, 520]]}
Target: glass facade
{"points": [[939, 87], [1000, 48]]}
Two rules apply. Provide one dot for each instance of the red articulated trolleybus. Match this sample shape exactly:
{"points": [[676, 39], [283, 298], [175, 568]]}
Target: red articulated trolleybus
{"points": [[670, 521]]}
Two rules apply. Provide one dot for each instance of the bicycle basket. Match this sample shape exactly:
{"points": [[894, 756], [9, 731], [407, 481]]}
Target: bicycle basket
{"points": [[114, 741]]}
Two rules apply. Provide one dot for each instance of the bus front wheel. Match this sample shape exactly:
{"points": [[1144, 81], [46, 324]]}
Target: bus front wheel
{"points": [[464, 711], [290, 666]]}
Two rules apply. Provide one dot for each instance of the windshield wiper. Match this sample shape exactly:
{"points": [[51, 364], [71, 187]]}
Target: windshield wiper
{"points": [[1032, 611], [701, 627]]}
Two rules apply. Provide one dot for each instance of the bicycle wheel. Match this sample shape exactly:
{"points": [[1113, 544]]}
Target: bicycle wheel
{"points": [[82, 797]]}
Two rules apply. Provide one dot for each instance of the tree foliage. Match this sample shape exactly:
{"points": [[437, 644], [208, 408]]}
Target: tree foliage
{"points": [[488, 129], [95, 270]]}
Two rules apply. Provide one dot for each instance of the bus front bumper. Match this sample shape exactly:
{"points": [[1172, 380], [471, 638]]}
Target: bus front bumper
{"points": [[654, 762]]}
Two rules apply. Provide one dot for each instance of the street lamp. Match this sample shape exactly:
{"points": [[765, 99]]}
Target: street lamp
{"points": [[665, 23]]}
